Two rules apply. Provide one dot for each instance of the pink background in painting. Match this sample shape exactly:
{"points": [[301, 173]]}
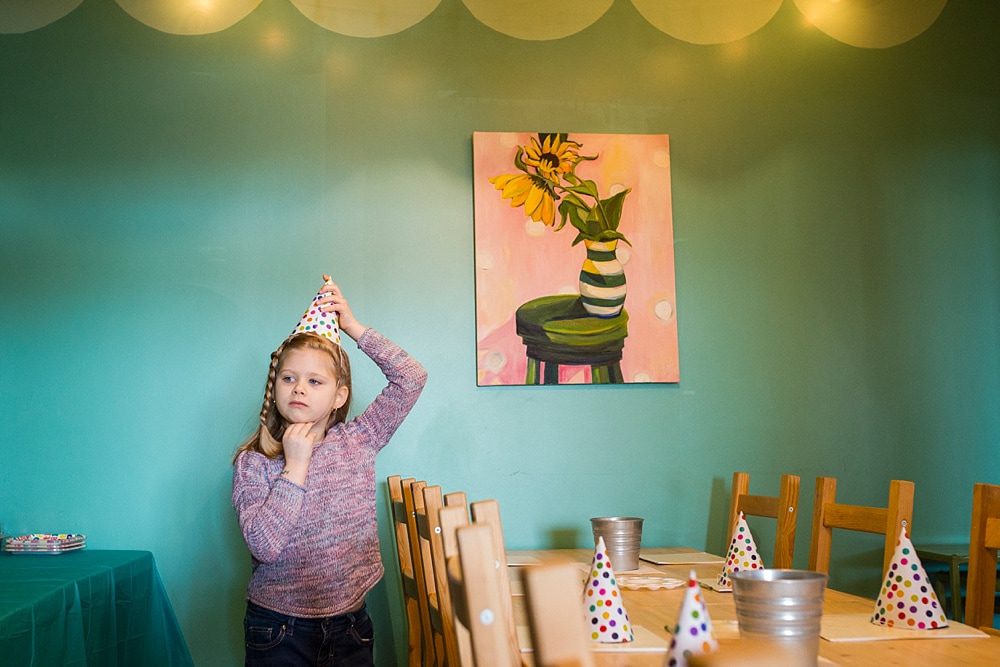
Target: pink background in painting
{"points": [[518, 259]]}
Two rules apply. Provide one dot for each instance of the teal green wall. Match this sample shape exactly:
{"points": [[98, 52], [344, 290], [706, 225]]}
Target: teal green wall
{"points": [[167, 202]]}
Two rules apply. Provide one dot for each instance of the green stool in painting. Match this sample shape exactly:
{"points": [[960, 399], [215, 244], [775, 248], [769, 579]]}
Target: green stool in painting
{"points": [[556, 331]]}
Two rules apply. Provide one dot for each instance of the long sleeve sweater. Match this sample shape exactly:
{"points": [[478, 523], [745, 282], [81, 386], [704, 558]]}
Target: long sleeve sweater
{"points": [[315, 549]]}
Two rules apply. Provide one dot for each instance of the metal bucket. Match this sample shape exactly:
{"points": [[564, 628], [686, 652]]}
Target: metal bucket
{"points": [[783, 606], [622, 537]]}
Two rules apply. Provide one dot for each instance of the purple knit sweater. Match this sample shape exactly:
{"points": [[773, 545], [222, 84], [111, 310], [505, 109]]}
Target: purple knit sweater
{"points": [[315, 549]]}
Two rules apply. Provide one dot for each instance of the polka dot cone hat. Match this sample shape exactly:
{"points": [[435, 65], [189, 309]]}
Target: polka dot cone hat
{"points": [[607, 619], [693, 630], [742, 554], [907, 599], [318, 322]]}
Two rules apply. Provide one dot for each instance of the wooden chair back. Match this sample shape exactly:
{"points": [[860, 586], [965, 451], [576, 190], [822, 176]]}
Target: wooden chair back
{"points": [[829, 514], [984, 541], [784, 507], [413, 498], [456, 499], [436, 576], [488, 512], [451, 518], [559, 636], [407, 574], [474, 577]]}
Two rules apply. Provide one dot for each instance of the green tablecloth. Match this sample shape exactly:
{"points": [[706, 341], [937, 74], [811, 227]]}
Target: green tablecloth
{"points": [[86, 608]]}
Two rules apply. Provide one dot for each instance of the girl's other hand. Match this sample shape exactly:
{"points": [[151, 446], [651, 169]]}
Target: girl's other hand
{"points": [[336, 302]]}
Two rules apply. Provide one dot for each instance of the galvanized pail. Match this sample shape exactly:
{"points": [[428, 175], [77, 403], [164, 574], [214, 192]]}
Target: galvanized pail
{"points": [[784, 606], [622, 537]]}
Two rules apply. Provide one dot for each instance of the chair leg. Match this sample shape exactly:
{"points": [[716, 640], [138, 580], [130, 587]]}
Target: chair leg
{"points": [[551, 373], [615, 371], [533, 372], [955, 581]]}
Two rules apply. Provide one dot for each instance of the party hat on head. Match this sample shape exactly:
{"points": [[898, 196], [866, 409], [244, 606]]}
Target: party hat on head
{"points": [[742, 554], [602, 601], [693, 630], [907, 599], [315, 321]]}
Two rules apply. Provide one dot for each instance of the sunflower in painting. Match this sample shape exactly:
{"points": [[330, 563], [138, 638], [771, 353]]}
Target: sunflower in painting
{"points": [[553, 157], [532, 192], [546, 175]]}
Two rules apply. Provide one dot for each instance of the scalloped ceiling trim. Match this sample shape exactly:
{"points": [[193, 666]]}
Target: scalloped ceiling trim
{"points": [[189, 17], [366, 18], [708, 21], [538, 21], [17, 16], [869, 24], [872, 24]]}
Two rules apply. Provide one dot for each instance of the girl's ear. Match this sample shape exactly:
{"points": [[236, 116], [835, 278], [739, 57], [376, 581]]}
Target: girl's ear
{"points": [[341, 397]]}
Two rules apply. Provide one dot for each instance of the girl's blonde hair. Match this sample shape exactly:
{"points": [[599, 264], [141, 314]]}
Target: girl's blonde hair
{"points": [[271, 421]]}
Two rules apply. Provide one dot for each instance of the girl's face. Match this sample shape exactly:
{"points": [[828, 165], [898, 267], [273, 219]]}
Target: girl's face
{"points": [[306, 387]]}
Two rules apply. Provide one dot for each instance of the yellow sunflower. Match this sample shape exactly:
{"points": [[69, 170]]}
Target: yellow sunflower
{"points": [[529, 191], [553, 157]]}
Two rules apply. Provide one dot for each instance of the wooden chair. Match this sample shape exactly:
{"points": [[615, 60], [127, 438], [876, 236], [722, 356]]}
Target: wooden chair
{"points": [[439, 607], [474, 578], [984, 541], [407, 573], [829, 514], [451, 518], [456, 499], [558, 632], [488, 512], [412, 499], [784, 507]]}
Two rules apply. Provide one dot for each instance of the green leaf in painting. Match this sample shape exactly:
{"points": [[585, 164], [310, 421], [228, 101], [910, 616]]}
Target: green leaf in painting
{"points": [[612, 207], [611, 235]]}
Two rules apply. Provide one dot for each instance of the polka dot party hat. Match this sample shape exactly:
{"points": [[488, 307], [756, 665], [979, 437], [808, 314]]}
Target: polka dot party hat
{"points": [[693, 630], [742, 554], [602, 601], [318, 322], [907, 599]]}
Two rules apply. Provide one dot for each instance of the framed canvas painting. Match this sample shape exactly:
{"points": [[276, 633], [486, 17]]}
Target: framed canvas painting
{"points": [[574, 259]]}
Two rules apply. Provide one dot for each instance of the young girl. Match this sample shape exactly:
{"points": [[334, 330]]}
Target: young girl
{"points": [[304, 490]]}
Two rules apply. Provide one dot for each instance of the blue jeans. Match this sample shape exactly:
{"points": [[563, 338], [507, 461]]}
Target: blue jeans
{"points": [[279, 640]]}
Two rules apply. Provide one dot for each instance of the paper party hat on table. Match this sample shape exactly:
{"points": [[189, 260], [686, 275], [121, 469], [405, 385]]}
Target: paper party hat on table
{"points": [[693, 630], [318, 322], [907, 599], [742, 554], [602, 601]]}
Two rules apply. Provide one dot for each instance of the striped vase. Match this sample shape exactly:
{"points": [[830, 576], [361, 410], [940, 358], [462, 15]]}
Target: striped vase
{"points": [[602, 280]]}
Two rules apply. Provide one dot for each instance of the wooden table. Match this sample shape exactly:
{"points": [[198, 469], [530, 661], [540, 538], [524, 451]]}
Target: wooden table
{"points": [[657, 610]]}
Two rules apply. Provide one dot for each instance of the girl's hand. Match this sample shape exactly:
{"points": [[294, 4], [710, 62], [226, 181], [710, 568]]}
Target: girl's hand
{"points": [[298, 442], [336, 302]]}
